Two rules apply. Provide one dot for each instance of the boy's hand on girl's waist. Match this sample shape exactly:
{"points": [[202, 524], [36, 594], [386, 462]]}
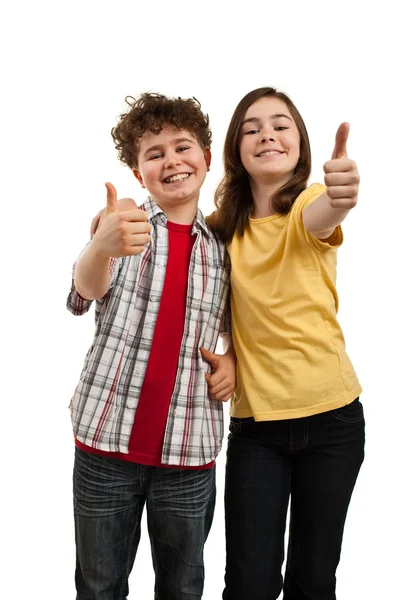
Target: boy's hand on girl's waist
{"points": [[222, 381], [120, 229]]}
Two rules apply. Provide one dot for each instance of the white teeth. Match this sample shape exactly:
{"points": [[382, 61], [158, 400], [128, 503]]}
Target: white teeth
{"points": [[179, 177], [270, 152]]}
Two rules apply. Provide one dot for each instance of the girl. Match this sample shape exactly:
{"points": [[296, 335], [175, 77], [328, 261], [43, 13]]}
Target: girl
{"points": [[297, 426]]}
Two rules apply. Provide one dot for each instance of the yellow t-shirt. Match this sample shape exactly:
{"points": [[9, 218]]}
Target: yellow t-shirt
{"points": [[291, 358]]}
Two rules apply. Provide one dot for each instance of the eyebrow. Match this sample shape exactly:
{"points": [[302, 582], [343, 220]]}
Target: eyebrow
{"points": [[174, 142], [257, 120]]}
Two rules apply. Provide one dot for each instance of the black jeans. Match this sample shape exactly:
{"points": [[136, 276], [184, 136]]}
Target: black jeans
{"points": [[109, 496], [315, 462]]}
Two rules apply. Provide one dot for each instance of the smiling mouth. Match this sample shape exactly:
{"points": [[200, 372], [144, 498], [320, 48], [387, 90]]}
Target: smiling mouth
{"points": [[177, 178], [269, 153]]}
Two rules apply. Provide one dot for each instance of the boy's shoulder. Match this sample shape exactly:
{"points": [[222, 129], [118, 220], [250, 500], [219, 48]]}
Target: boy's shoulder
{"points": [[217, 245]]}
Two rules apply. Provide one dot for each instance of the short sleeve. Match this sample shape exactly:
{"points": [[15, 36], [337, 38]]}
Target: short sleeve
{"points": [[306, 198]]}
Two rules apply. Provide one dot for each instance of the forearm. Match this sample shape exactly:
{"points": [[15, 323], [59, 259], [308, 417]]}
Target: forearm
{"points": [[91, 278], [320, 218]]}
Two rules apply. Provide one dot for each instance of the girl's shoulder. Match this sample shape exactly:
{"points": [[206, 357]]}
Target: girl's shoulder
{"points": [[309, 195]]}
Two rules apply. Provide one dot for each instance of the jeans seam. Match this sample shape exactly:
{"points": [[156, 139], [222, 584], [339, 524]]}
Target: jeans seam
{"points": [[126, 570], [305, 440]]}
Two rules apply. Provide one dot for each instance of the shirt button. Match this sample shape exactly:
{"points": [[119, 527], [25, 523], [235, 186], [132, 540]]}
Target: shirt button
{"points": [[153, 298], [159, 266], [137, 371]]}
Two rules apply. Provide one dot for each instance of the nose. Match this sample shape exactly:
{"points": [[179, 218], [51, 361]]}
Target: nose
{"points": [[172, 160], [267, 137]]}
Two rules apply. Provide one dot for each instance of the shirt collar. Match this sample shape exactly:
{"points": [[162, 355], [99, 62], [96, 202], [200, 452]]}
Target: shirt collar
{"points": [[154, 211]]}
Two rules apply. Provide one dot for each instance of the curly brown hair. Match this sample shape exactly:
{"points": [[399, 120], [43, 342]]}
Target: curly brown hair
{"points": [[151, 112], [233, 197]]}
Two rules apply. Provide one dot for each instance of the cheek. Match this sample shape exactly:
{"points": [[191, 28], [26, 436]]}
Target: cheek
{"points": [[293, 142], [244, 150], [150, 172], [244, 146], [199, 163]]}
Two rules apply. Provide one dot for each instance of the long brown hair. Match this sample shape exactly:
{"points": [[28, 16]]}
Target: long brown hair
{"points": [[233, 197]]}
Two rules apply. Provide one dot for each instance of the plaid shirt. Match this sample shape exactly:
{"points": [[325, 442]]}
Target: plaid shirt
{"points": [[105, 400]]}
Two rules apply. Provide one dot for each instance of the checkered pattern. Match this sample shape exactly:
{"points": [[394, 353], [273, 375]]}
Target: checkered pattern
{"points": [[106, 397]]}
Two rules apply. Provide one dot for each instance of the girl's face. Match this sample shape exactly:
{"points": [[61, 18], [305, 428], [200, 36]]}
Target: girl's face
{"points": [[270, 141]]}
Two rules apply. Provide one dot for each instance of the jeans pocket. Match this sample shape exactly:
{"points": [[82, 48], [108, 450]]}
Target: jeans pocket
{"points": [[350, 413]]}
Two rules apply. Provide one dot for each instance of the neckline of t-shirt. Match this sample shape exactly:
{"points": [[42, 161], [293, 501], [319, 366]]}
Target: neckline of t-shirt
{"points": [[264, 219], [179, 227]]}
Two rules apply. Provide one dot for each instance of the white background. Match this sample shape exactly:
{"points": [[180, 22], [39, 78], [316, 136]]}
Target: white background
{"points": [[66, 68]]}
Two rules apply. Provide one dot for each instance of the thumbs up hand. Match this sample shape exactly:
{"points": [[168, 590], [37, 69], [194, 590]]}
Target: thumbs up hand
{"points": [[120, 232], [111, 199], [122, 204], [222, 381], [341, 173]]}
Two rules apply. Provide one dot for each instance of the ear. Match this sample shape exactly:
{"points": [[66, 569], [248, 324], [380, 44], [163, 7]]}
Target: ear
{"points": [[138, 176], [208, 157]]}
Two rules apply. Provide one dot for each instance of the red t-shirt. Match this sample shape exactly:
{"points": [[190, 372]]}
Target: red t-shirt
{"points": [[147, 435]]}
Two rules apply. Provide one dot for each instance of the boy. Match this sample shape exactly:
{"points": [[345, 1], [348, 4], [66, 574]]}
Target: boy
{"points": [[147, 428]]}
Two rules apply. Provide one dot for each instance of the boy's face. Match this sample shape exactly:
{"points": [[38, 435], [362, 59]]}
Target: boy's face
{"points": [[172, 166]]}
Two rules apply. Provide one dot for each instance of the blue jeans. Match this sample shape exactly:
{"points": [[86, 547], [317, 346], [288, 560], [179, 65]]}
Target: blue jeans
{"points": [[315, 462], [109, 497]]}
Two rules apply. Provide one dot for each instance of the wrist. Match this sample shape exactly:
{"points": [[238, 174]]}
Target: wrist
{"points": [[96, 250], [230, 353], [227, 343]]}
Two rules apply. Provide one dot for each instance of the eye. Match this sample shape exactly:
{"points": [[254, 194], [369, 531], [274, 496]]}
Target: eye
{"points": [[280, 128], [182, 148], [251, 131], [155, 156]]}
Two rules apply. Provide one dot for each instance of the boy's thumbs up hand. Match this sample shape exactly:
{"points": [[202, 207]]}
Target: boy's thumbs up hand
{"points": [[111, 199], [222, 381], [341, 173], [120, 229], [120, 205]]}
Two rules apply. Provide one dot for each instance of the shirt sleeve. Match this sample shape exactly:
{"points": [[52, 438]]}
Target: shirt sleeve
{"points": [[226, 321], [78, 305], [305, 199]]}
